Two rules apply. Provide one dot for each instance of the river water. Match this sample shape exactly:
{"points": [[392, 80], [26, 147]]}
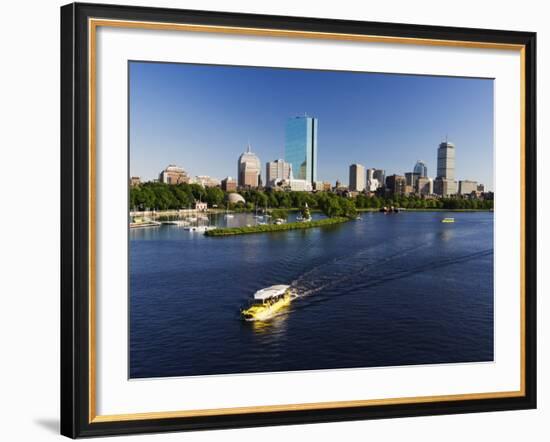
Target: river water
{"points": [[386, 290]]}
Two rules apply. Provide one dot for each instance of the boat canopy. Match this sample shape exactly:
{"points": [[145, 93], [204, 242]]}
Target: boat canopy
{"points": [[270, 292]]}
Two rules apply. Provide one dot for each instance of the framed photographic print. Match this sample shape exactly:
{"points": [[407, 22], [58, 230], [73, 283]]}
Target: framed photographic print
{"points": [[274, 220]]}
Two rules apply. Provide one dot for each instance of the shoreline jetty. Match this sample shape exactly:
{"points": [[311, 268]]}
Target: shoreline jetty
{"points": [[265, 228]]}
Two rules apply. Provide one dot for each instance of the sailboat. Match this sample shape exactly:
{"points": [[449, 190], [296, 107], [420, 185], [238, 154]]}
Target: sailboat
{"points": [[227, 214], [256, 213]]}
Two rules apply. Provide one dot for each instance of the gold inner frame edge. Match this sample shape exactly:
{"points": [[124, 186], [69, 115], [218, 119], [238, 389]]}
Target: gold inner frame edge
{"points": [[93, 24]]}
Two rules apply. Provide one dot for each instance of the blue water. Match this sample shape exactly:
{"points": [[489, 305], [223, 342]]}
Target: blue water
{"points": [[386, 290]]}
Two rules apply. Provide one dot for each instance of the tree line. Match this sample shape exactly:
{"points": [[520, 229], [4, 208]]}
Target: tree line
{"points": [[162, 196]]}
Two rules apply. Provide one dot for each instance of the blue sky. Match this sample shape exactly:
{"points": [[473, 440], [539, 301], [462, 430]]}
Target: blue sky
{"points": [[202, 117]]}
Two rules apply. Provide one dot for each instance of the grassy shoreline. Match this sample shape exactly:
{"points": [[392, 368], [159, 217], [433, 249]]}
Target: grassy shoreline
{"points": [[231, 231]]}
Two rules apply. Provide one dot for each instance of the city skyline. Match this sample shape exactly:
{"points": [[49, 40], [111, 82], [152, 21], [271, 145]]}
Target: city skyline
{"points": [[170, 113]]}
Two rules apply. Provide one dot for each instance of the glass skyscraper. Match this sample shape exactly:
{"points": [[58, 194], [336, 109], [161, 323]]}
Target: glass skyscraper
{"points": [[421, 169], [301, 147]]}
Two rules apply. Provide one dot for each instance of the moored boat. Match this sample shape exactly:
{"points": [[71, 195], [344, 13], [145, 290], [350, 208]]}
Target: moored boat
{"points": [[199, 228]]}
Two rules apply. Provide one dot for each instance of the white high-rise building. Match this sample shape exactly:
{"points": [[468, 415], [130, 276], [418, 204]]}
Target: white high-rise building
{"points": [[373, 185], [357, 177], [275, 171], [375, 177], [298, 185], [466, 187]]}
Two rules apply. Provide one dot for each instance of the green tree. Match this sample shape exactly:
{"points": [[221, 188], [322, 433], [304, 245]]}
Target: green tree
{"points": [[279, 213], [332, 207], [347, 208], [262, 200], [284, 200], [214, 196]]}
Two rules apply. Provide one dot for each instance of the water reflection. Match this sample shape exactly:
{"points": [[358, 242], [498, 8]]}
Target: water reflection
{"points": [[446, 234], [276, 326]]}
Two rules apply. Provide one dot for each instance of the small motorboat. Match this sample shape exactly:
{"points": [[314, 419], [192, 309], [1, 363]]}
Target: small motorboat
{"points": [[448, 220]]}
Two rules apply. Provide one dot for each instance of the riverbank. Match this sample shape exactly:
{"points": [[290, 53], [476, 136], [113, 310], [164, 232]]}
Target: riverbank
{"points": [[371, 209], [231, 231]]}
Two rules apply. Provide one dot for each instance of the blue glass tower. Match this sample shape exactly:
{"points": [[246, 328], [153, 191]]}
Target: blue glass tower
{"points": [[301, 147], [421, 169]]}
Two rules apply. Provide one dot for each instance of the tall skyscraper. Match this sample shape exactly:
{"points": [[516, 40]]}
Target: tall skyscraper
{"points": [[301, 147], [446, 160], [276, 170], [249, 169], [357, 177], [421, 169], [445, 184]]}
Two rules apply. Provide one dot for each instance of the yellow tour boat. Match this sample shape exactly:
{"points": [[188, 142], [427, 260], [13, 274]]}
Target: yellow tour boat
{"points": [[448, 220], [267, 302]]}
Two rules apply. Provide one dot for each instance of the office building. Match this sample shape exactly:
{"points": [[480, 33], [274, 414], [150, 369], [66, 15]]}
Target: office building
{"points": [[357, 177], [444, 187], [295, 185], [275, 171], [424, 186], [466, 187], [301, 147], [421, 169], [229, 184], [322, 186], [445, 183], [173, 175], [338, 186], [373, 185], [375, 179], [206, 181], [395, 184], [411, 178], [249, 169]]}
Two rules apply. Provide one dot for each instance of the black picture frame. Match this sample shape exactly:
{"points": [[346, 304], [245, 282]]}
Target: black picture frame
{"points": [[75, 220]]}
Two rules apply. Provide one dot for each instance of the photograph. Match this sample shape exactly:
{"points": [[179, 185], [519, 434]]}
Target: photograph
{"points": [[279, 220], [285, 219]]}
